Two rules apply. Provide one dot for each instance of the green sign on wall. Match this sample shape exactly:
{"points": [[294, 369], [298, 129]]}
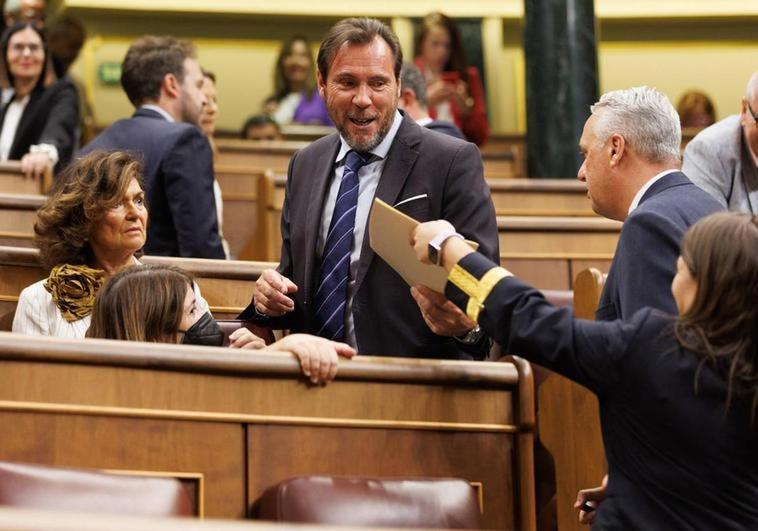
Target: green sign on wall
{"points": [[109, 73]]}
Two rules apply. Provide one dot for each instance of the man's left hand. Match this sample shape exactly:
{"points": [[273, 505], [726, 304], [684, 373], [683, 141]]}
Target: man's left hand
{"points": [[442, 316]]}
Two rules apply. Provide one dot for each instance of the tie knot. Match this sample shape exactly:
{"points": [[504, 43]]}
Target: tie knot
{"points": [[355, 160]]}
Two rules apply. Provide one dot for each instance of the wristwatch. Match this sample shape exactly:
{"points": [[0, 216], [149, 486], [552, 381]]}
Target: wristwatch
{"points": [[471, 337], [435, 244]]}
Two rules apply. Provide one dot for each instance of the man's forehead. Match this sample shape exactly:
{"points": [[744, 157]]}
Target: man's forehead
{"points": [[350, 55], [192, 68]]}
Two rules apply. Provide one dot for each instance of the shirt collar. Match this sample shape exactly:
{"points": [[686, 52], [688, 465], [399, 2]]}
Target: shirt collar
{"points": [[646, 187], [160, 110], [423, 122], [379, 151]]}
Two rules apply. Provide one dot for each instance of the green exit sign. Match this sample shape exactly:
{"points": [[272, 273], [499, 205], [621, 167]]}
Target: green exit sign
{"points": [[109, 73]]}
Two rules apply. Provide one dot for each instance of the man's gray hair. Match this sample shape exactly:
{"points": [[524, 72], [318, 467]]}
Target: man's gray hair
{"points": [[645, 118], [412, 78], [12, 6]]}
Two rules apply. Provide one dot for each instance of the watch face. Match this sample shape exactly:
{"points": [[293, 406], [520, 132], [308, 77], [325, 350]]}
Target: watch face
{"points": [[433, 253]]}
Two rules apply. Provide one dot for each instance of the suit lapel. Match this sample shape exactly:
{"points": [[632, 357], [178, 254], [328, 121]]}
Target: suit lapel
{"points": [[322, 176], [400, 160]]}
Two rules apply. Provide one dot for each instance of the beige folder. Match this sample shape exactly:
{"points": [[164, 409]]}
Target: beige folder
{"points": [[389, 235]]}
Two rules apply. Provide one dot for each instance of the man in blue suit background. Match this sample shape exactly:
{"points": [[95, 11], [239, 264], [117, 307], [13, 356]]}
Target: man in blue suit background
{"points": [[164, 82], [632, 170]]}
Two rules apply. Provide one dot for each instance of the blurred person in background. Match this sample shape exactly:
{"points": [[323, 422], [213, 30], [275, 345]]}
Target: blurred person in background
{"points": [[414, 102], [38, 125], [696, 110], [261, 127], [208, 120], [454, 90], [295, 98]]}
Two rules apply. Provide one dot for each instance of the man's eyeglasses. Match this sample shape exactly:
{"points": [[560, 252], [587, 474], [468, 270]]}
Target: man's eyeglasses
{"points": [[750, 110]]}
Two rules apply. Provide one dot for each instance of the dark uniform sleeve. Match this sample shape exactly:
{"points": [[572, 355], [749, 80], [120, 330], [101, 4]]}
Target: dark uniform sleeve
{"points": [[519, 318]]}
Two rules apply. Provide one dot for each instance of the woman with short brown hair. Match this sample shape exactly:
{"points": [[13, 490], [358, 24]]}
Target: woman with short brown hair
{"points": [[92, 226]]}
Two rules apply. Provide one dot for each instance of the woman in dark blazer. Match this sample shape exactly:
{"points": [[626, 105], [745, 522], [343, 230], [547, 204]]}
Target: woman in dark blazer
{"points": [[38, 124], [678, 395]]}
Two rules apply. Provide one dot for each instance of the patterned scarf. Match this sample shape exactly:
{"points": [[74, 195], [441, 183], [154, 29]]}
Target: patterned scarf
{"points": [[73, 288]]}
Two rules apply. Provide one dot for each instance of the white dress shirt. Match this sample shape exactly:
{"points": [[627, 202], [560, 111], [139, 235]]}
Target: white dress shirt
{"points": [[646, 187], [160, 110], [10, 125], [368, 180]]}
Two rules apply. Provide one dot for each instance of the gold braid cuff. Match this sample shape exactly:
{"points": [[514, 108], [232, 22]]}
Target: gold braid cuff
{"points": [[477, 290], [73, 289]]}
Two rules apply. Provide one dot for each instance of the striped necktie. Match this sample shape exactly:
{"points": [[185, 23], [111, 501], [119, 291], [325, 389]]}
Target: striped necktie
{"points": [[331, 293]]}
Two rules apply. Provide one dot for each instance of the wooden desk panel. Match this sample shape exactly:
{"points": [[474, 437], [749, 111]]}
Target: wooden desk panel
{"points": [[164, 447], [147, 407], [280, 452]]}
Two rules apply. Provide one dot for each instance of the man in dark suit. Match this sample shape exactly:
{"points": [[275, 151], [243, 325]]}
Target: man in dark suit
{"points": [[164, 81], [413, 101], [631, 167], [329, 281]]}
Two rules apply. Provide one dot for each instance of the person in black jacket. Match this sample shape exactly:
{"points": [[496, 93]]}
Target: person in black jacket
{"points": [[39, 122], [678, 395]]}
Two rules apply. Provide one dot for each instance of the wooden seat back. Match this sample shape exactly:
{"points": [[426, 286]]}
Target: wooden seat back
{"points": [[17, 215], [257, 154], [13, 181], [569, 419], [539, 197], [239, 191]]}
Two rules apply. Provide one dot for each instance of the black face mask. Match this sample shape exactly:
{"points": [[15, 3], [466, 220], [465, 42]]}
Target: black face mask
{"points": [[204, 332]]}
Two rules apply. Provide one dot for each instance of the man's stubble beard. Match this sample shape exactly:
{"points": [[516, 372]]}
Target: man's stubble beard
{"points": [[371, 143]]}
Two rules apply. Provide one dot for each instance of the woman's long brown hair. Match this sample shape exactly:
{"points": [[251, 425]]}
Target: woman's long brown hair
{"points": [[721, 326], [141, 303]]}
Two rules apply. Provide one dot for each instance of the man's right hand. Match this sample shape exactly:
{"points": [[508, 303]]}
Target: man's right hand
{"points": [[593, 498], [271, 294]]}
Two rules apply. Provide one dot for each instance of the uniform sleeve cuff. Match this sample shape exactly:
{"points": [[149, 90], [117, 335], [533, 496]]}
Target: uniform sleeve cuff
{"points": [[471, 281]]}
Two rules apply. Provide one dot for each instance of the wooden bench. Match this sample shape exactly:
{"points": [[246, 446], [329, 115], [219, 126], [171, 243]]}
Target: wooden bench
{"points": [[305, 133], [503, 165], [17, 215], [239, 191], [569, 419], [235, 423], [257, 155], [12, 181], [540, 197], [227, 285]]}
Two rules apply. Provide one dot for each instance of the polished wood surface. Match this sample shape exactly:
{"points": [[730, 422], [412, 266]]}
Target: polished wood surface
{"points": [[557, 234], [245, 420], [13, 181], [18, 212], [569, 420], [540, 197], [32, 520], [257, 154], [239, 191], [227, 285]]}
